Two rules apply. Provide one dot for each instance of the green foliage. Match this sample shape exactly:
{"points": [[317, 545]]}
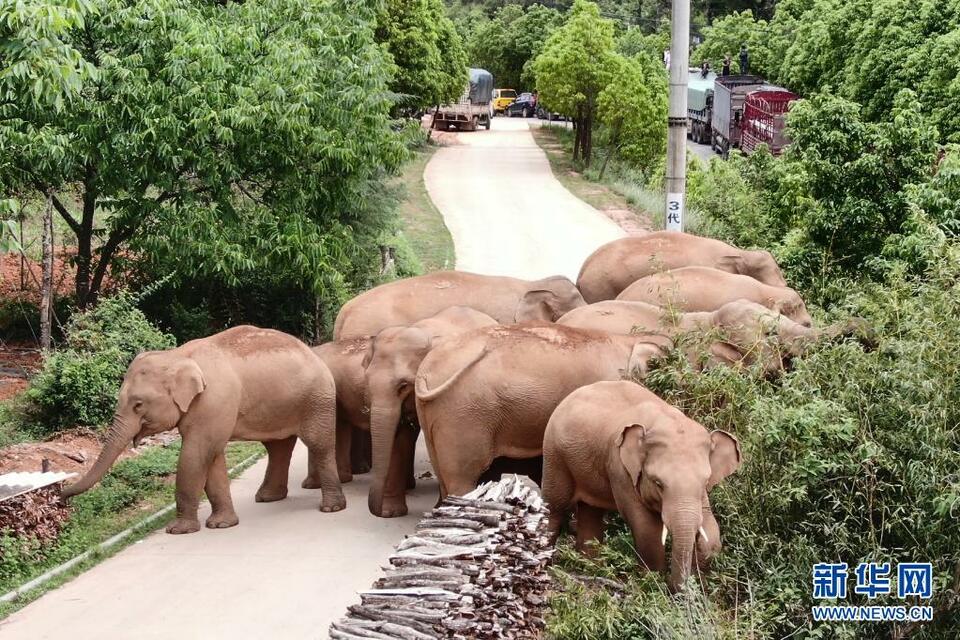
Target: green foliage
{"points": [[507, 44], [724, 37], [576, 64], [431, 65], [78, 384], [635, 41], [223, 138], [634, 107]]}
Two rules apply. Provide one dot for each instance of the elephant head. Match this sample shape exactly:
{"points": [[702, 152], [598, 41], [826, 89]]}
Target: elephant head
{"points": [[759, 265], [548, 299], [391, 371], [156, 392], [673, 466]]}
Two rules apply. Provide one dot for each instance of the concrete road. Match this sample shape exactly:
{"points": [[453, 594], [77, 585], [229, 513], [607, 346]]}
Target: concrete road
{"points": [[507, 213], [702, 151], [288, 570], [285, 572]]}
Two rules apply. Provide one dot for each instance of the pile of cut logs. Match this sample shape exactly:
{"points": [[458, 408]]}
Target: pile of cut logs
{"points": [[474, 568]]}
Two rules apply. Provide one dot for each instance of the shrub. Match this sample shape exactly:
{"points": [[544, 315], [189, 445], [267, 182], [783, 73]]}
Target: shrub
{"points": [[78, 384]]}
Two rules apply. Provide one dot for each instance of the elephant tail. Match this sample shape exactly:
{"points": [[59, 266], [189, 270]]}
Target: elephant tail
{"points": [[426, 395]]}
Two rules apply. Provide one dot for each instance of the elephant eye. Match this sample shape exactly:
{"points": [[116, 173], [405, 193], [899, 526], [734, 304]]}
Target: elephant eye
{"points": [[658, 483], [403, 385], [137, 405]]}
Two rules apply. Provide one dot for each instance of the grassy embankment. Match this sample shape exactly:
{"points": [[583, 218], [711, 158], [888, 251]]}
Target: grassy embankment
{"points": [[134, 489], [426, 234], [614, 192]]}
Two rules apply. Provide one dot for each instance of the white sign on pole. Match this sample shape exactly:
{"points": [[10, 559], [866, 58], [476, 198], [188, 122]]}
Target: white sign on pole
{"points": [[674, 212]]}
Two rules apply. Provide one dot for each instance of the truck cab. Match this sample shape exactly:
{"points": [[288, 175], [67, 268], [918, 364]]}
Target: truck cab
{"points": [[501, 98]]}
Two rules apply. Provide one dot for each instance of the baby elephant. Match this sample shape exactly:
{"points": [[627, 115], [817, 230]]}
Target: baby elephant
{"points": [[244, 383], [616, 446]]}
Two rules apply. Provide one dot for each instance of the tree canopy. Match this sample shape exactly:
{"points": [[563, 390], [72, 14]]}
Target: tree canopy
{"points": [[426, 49], [225, 139]]}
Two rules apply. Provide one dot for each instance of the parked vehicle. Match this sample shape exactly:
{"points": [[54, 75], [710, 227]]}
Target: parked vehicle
{"points": [[524, 106], [729, 94], [474, 107], [764, 116], [700, 105], [502, 98]]}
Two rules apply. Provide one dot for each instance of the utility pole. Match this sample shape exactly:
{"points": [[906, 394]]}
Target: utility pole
{"points": [[677, 114]]}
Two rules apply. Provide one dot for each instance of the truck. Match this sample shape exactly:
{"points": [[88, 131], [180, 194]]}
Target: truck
{"points": [[764, 116], [473, 109], [729, 94], [699, 105]]}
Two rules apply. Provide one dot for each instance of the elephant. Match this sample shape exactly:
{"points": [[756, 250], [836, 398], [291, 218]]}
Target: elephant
{"points": [[741, 325], [706, 289], [506, 300], [489, 393], [346, 360], [391, 369], [616, 265], [615, 446], [244, 383]]}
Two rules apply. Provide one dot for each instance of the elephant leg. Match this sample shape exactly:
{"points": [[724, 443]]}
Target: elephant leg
{"points": [[345, 444], [218, 493], [589, 527], [361, 451], [274, 486], [395, 486], [558, 492], [462, 459], [195, 460], [318, 432], [411, 455]]}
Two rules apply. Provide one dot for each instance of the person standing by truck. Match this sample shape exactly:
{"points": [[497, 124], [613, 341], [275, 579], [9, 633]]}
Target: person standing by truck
{"points": [[744, 60], [725, 69]]}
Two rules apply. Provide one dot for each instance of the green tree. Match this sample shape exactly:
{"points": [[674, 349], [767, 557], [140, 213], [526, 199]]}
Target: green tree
{"points": [[506, 45], [225, 139], [427, 50], [726, 35], [576, 64], [634, 108]]}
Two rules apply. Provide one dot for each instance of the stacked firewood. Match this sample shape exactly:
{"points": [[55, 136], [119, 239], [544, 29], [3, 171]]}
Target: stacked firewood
{"points": [[474, 568], [40, 513]]}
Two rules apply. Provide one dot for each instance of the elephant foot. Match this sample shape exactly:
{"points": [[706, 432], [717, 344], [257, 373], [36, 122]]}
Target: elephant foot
{"points": [[393, 508], [222, 520], [270, 495], [360, 467], [345, 477], [314, 483], [334, 503], [179, 526], [411, 482]]}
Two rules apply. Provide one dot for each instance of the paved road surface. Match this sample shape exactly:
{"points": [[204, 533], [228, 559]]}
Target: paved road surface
{"points": [[507, 213], [702, 151], [287, 570]]}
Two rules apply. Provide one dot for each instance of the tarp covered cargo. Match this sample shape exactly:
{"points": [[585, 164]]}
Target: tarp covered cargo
{"points": [[698, 89], [481, 86]]}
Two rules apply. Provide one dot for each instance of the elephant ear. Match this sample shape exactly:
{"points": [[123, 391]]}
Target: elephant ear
{"points": [[187, 383], [731, 264], [630, 444], [537, 305], [724, 457], [642, 354]]}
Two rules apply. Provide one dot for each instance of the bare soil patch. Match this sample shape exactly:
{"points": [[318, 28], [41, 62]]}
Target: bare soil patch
{"points": [[71, 452]]}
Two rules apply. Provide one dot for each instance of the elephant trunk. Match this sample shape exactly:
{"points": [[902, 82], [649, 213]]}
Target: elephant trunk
{"points": [[683, 524], [383, 431], [119, 435]]}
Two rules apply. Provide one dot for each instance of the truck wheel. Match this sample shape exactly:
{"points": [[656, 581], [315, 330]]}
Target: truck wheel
{"points": [[526, 112], [486, 124]]}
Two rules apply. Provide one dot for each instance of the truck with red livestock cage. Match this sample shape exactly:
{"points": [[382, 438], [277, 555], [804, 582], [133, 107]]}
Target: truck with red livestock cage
{"points": [[729, 94], [764, 119]]}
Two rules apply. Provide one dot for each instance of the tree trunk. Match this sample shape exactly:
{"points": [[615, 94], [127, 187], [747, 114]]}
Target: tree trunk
{"points": [[587, 144], [613, 148], [577, 133], [46, 285]]}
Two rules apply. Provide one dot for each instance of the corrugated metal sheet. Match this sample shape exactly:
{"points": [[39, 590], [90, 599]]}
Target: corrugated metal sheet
{"points": [[13, 484]]}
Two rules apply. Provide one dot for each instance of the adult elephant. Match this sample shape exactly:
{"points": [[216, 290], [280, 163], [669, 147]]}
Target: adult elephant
{"points": [[244, 383], [489, 393], [346, 360], [391, 369], [706, 289], [506, 300], [616, 265], [741, 324]]}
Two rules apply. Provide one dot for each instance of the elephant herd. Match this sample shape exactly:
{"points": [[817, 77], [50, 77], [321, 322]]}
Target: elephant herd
{"points": [[487, 368]]}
